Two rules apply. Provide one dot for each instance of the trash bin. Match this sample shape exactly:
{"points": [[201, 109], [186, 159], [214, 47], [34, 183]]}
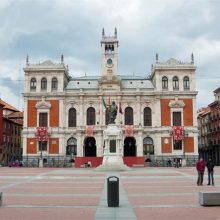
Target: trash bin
{"points": [[113, 191]]}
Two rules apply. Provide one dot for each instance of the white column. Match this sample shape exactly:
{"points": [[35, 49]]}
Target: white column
{"points": [[81, 123], [25, 112], [196, 144], [99, 144], [138, 112], [101, 109], [156, 113], [24, 144], [157, 144], [79, 145], [61, 113], [139, 144], [62, 145]]}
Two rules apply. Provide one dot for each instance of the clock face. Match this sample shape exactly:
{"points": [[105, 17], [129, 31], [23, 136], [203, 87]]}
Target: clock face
{"points": [[109, 61]]}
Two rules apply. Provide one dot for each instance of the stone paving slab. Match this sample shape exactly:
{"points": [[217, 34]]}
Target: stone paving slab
{"points": [[145, 193], [84, 213], [177, 213]]}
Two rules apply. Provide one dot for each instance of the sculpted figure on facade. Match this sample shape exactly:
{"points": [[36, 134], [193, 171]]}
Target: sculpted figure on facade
{"points": [[112, 111]]}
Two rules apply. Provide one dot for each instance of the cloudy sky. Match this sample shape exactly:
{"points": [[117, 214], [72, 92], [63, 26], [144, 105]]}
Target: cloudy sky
{"points": [[45, 29]]}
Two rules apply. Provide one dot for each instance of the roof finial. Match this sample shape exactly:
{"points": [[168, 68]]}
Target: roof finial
{"points": [[192, 58], [103, 32], [62, 58], [27, 60], [115, 32], [157, 58]]}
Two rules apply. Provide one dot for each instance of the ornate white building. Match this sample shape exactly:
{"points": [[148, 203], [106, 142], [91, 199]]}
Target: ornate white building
{"points": [[71, 108]]}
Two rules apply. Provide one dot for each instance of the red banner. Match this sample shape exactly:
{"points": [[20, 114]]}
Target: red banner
{"points": [[89, 131], [178, 133], [42, 134], [129, 131]]}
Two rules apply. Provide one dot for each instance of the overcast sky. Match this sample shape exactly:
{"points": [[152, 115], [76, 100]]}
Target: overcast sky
{"points": [[45, 29]]}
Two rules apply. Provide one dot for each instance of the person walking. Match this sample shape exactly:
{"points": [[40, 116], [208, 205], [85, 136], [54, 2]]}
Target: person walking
{"points": [[200, 167], [210, 167]]}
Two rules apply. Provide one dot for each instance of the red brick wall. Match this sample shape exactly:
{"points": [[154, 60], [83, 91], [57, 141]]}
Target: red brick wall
{"points": [[166, 148], [54, 113], [32, 113], [188, 112], [54, 147], [189, 144], [31, 146], [165, 112]]}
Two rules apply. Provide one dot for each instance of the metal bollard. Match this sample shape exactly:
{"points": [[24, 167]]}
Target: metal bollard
{"points": [[1, 198], [113, 191]]}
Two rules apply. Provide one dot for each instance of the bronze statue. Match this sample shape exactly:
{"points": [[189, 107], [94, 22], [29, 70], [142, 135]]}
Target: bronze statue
{"points": [[112, 111]]}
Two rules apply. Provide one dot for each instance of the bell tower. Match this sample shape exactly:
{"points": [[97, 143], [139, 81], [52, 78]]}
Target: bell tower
{"points": [[109, 68]]}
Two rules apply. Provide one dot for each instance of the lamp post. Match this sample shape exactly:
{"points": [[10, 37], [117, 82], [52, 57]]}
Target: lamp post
{"points": [[41, 136]]}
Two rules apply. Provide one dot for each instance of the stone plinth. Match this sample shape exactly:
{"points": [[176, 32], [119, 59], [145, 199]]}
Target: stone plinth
{"points": [[209, 198], [41, 164], [112, 156]]}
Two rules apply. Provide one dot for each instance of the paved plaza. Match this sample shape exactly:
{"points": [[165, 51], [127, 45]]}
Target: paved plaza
{"points": [[145, 193]]}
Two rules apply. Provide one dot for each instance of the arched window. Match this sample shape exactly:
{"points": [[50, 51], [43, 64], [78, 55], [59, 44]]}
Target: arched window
{"points": [[54, 84], [186, 83], [72, 117], [147, 117], [33, 84], [90, 116], [71, 148], [44, 84], [129, 116], [164, 82], [175, 83], [148, 146]]}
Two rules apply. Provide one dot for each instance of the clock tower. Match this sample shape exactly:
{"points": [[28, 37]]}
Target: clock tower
{"points": [[109, 45]]}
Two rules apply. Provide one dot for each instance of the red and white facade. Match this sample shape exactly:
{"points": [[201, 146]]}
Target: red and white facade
{"points": [[72, 111]]}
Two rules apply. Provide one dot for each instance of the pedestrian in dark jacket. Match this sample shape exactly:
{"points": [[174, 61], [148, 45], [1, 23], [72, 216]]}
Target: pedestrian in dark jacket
{"points": [[200, 166], [210, 167]]}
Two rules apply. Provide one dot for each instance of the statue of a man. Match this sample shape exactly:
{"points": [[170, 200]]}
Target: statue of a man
{"points": [[112, 111]]}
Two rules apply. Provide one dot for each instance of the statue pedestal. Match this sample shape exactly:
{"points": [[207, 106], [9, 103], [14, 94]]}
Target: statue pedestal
{"points": [[112, 157], [41, 164]]}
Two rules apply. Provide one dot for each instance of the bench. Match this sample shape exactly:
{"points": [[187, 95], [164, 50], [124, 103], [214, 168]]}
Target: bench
{"points": [[0, 198], [209, 198]]}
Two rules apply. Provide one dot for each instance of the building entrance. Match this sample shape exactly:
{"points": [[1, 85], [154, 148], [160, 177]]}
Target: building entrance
{"points": [[129, 147], [90, 147]]}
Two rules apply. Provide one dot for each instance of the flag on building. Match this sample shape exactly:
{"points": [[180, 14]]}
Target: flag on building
{"points": [[42, 134], [129, 131], [178, 133], [89, 131]]}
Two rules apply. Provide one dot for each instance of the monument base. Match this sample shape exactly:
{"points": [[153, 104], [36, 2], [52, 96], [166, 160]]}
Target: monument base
{"points": [[41, 164], [112, 163]]}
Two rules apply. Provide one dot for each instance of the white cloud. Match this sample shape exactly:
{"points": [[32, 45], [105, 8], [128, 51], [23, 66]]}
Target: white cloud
{"points": [[174, 28]]}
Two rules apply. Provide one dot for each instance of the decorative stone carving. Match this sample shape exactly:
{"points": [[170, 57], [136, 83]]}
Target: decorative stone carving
{"points": [[43, 104], [47, 62], [176, 103], [173, 61]]}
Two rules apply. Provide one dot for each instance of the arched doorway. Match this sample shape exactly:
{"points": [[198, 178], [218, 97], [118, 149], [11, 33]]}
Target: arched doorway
{"points": [[148, 146], [90, 147], [71, 148], [129, 147]]}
